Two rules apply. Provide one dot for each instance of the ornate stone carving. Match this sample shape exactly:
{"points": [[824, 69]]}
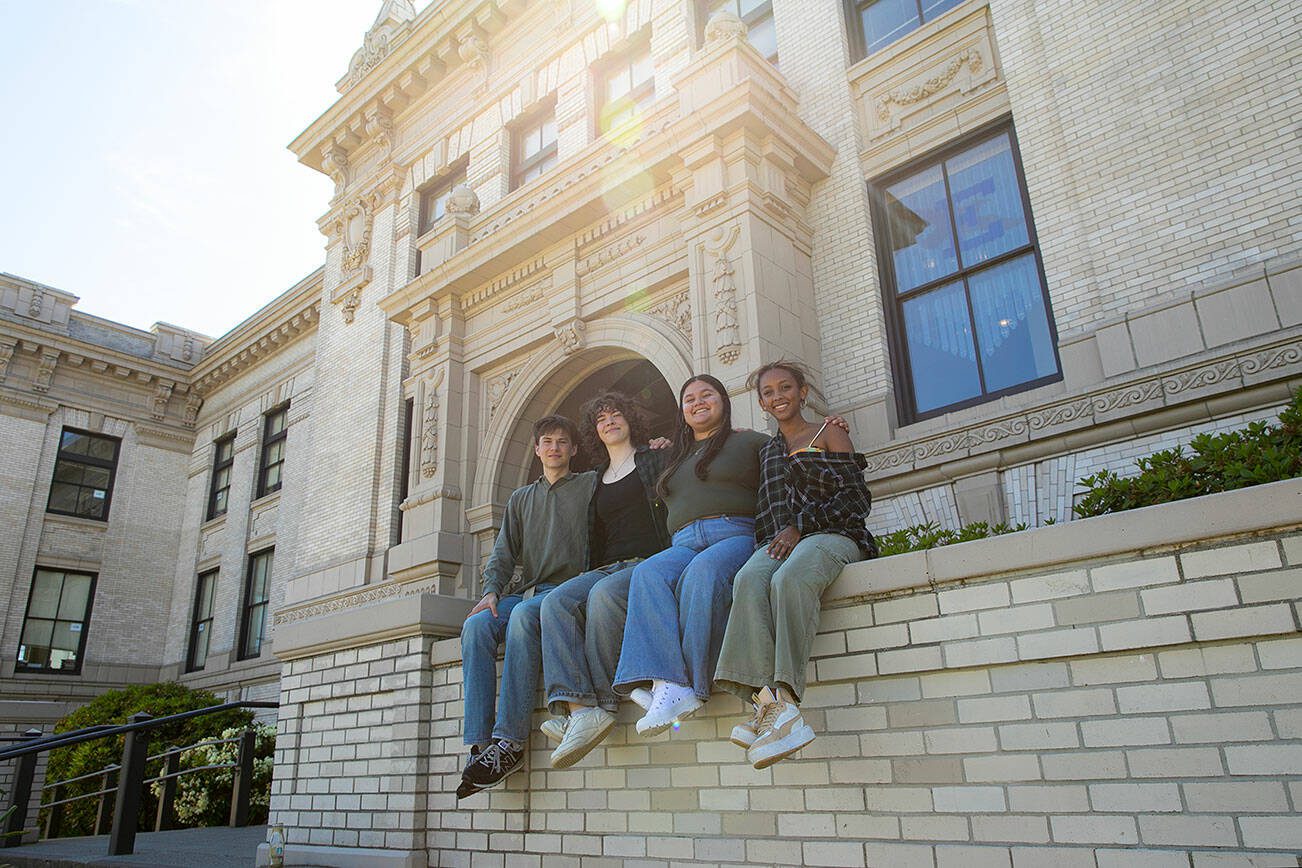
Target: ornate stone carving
{"points": [[571, 335], [6, 353], [379, 126], [334, 162], [724, 26], [462, 200], [1204, 376], [677, 311], [382, 591], [45, 371], [607, 255], [718, 200], [355, 228], [37, 301], [969, 58], [193, 402], [351, 302], [473, 50], [429, 429], [162, 394], [442, 492], [187, 349], [497, 388], [393, 22], [536, 294], [723, 282], [1275, 357]]}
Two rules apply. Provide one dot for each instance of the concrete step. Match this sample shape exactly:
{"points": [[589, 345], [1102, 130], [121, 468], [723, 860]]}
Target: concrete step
{"points": [[216, 847]]}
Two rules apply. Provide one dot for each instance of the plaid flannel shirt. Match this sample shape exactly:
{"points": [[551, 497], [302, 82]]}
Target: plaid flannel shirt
{"points": [[816, 492]]}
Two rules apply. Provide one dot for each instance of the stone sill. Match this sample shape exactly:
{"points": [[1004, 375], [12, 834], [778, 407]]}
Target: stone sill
{"points": [[1261, 508]]}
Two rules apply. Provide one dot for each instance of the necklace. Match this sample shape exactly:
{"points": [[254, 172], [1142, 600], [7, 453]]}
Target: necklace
{"points": [[616, 474]]}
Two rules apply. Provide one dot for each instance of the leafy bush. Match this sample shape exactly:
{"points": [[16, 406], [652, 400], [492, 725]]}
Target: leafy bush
{"points": [[115, 707], [1261, 452], [204, 798], [930, 535]]}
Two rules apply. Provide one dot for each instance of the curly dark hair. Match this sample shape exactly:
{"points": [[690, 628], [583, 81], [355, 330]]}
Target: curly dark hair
{"points": [[685, 439], [605, 402]]}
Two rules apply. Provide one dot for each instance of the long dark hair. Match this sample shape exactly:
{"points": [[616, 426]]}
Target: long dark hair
{"points": [[685, 439], [604, 403]]}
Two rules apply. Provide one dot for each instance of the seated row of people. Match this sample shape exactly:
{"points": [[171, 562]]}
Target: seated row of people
{"points": [[713, 550]]}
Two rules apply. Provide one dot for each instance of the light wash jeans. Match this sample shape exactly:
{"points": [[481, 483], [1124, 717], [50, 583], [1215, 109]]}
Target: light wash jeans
{"points": [[518, 621], [580, 648], [678, 604], [775, 609]]}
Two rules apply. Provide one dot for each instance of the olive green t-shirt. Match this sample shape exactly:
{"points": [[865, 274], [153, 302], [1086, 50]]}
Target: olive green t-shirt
{"points": [[729, 488]]}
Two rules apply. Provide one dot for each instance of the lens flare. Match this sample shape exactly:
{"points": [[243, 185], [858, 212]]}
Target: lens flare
{"points": [[611, 10], [676, 725]]}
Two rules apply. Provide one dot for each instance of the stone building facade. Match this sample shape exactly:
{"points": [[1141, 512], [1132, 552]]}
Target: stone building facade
{"points": [[1016, 242]]}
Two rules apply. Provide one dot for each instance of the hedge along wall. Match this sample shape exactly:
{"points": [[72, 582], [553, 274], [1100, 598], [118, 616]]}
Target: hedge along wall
{"points": [[1120, 690]]}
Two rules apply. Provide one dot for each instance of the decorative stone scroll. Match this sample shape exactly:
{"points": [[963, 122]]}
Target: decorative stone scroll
{"points": [[429, 429], [193, 403], [497, 387], [334, 162], [162, 394], [571, 335], [969, 59], [677, 311], [723, 282], [45, 371], [6, 353]]}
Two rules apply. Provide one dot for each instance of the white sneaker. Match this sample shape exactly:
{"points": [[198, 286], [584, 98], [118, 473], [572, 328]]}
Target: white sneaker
{"points": [[585, 731], [744, 734], [782, 731], [669, 702], [554, 727], [641, 696]]}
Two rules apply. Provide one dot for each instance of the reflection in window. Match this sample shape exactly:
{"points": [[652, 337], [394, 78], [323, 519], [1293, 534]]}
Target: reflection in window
{"points": [[257, 595], [219, 491], [881, 22], [54, 629], [272, 467], [630, 89], [534, 149], [758, 17], [962, 274], [434, 201], [201, 623], [83, 475]]}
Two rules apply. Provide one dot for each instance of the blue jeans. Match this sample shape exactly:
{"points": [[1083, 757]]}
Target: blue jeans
{"points": [[678, 603], [517, 620], [580, 647]]}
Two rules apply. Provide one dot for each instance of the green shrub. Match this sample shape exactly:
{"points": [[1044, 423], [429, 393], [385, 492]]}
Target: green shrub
{"points": [[115, 707], [204, 798], [930, 535], [1261, 452]]}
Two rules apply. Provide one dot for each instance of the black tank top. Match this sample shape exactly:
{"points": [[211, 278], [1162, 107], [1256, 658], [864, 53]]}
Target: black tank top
{"points": [[625, 527]]}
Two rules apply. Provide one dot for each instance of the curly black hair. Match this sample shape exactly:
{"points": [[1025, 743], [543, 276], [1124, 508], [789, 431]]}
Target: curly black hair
{"points": [[605, 402]]}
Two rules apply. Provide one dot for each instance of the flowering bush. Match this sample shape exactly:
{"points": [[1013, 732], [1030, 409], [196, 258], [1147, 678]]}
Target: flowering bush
{"points": [[204, 798]]}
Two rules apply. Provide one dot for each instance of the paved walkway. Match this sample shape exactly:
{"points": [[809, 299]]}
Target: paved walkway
{"points": [[218, 847]]}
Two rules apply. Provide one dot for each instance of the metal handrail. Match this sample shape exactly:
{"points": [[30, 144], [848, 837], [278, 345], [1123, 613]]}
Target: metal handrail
{"points": [[77, 798], [195, 746], [95, 774]]}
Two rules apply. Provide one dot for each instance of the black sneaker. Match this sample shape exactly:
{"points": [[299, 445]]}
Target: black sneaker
{"points": [[490, 767], [475, 750]]}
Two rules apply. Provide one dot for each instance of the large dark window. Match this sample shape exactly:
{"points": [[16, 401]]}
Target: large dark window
{"points": [[962, 278], [201, 622], [628, 88], [275, 429], [257, 594], [83, 474], [878, 23], [757, 15], [219, 491], [434, 200], [54, 629], [533, 148]]}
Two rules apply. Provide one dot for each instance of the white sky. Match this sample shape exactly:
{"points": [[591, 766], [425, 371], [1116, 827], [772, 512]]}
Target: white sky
{"points": [[143, 157]]}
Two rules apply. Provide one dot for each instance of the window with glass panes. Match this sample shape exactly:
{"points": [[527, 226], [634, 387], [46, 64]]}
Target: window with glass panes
{"points": [[756, 14], [201, 622], [878, 23], [274, 431], [223, 460], [83, 475], [533, 149], [966, 300], [54, 628], [434, 201], [629, 88], [257, 594]]}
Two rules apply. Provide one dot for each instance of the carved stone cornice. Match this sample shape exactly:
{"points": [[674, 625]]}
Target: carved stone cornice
{"points": [[353, 600]]}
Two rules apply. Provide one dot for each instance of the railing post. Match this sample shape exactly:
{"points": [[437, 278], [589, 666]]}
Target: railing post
{"points": [[243, 780], [126, 808], [54, 820], [171, 765], [24, 775], [103, 815]]}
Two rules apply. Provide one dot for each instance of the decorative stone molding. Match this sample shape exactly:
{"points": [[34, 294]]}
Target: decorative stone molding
{"points": [[334, 162], [677, 311], [429, 430], [354, 227], [723, 282], [607, 255], [255, 348], [724, 26], [526, 298], [6, 353], [391, 26], [536, 267], [382, 591], [349, 304], [44, 375], [474, 52], [496, 388], [969, 59], [571, 335], [379, 126], [193, 403], [442, 492], [162, 394], [463, 200]]}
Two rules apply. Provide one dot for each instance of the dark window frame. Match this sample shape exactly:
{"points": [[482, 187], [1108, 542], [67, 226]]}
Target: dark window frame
{"points": [[218, 465], [529, 122], [431, 193], [25, 668], [750, 19], [892, 302], [619, 62], [249, 604], [854, 26], [269, 440], [87, 461], [196, 622]]}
